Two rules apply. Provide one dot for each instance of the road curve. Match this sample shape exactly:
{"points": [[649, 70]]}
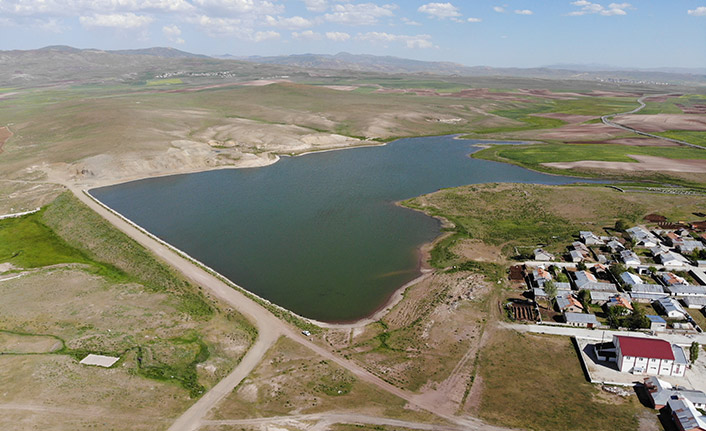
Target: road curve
{"points": [[606, 119], [269, 327]]}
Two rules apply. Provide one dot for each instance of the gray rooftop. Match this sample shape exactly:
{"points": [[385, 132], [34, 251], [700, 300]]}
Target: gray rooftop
{"points": [[580, 318]]}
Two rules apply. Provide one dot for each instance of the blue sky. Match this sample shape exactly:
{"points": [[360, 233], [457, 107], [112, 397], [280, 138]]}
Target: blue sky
{"points": [[521, 33]]}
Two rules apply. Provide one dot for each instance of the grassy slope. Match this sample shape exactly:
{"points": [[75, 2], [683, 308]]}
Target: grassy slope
{"points": [[527, 214], [68, 232]]}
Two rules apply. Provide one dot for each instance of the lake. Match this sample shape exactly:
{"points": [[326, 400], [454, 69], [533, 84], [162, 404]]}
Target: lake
{"points": [[318, 234]]}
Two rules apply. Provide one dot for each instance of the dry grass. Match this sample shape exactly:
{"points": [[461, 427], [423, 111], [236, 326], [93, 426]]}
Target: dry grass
{"points": [[290, 379], [536, 382]]}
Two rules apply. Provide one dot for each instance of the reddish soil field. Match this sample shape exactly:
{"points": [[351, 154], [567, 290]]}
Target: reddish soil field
{"points": [[694, 109], [595, 131], [663, 122]]}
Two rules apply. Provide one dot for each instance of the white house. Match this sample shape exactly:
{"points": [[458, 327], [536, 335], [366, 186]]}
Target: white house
{"points": [[642, 237], [629, 257], [661, 392], [671, 259], [685, 415], [630, 279], [681, 290], [576, 256], [542, 255], [649, 356], [589, 238], [582, 320], [657, 323], [695, 301], [615, 245], [671, 308]]}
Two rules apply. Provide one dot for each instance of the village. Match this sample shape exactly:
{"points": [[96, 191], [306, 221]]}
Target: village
{"points": [[634, 303]]}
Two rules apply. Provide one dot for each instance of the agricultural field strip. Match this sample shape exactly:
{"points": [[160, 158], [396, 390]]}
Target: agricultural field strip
{"points": [[606, 120], [336, 418], [269, 328]]}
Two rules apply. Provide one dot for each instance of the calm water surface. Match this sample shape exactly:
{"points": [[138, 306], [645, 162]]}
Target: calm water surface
{"points": [[318, 234]]}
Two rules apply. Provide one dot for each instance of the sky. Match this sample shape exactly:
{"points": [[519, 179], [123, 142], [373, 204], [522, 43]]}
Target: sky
{"points": [[509, 33]]}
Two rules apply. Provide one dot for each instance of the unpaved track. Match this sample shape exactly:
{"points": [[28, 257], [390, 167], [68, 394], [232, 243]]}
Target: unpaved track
{"points": [[269, 329], [337, 418]]}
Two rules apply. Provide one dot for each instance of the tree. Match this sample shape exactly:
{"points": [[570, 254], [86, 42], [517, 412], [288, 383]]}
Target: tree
{"points": [[550, 290], [585, 298], [694, 351], [581, 266], [616, 269], [621, 225], [638, 319], [615, 315]]}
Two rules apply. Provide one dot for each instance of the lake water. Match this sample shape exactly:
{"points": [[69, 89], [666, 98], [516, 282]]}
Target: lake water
{"points": [[317, 234]]}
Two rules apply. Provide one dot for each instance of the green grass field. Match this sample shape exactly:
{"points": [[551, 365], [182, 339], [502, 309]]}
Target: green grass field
{"points": [[532, 156], [690, 136]]}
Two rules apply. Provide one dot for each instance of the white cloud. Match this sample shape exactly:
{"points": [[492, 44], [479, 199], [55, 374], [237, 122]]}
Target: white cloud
{"points": [[440, 10], [359, 14], [76, 7], [418, 41], [523, 12], [115, 20], [337, 36], [265, 35], [586, 8], [292, 23], [699, 11], [316, 5], [474, 20], [172, 33], [306, 35], [409, 21], [255, 7], [499, 9]]}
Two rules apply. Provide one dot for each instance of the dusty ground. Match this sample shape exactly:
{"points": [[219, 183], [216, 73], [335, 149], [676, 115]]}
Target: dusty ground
{"points": [[645, 163], [663, 122], [5, 134], [635, 142], [292, 380], [428, 342], [570, 132]]}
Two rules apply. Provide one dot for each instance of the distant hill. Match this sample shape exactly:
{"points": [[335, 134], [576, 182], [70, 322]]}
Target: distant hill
{"points": [[395, 65]]}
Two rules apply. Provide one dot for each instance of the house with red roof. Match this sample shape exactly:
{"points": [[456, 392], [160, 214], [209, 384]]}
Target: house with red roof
{"points": [[651, 356]]}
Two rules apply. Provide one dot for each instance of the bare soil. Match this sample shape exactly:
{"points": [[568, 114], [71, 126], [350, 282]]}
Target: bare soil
{"points": [[580, 132], [633, 142], [663, 122], [645, 163], [5, 134]]}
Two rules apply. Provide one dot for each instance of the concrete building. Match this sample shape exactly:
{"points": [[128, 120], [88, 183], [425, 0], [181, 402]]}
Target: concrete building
{"points": [[671, 308], [649, 356], [680, 290], [694, 301], [582, 320], [629, 257], [660, 392], [630, 279], [542, 256], [685, 415], [657, 323], [590, 239]]}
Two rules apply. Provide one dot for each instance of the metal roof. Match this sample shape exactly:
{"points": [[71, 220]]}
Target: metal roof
{"points": [[644, 347]]}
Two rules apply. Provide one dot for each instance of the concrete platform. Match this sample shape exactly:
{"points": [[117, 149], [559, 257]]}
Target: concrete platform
{"points": [[99, 360]]}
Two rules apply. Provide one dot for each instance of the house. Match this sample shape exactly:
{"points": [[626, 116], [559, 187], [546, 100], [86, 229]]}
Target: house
{"points": [[701, 263], [630, 279], [629, 257], [698, 275], [652, 288], [567, 302], [657, 323], [671, 308], [561, 289], [541, 276], [589, 238], [658, 249], [615, 246], [543, 256], [619, 301], [685, 415], [582, 278], [679, 290], [600, 287], [671, 259], [651, 356], [660, 392], [647, 297], [581, 320], [671, 279], [576, 256], [672, 238], [694, 302], [602, 259], [600, 298], [642, 237], [689, 246]]}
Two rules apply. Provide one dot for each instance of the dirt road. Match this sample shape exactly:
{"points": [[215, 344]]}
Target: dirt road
{"points": [[269, 329]]}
